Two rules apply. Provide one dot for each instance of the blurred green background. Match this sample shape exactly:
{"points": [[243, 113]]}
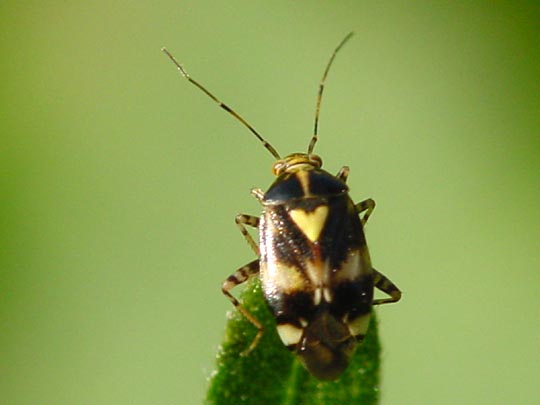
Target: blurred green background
{"points": [[120, 182]]}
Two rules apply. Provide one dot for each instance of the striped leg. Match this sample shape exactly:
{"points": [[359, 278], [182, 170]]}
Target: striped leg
{"points": [[240, 276], [242, 220], [385, 285], [343, 174], [368, 206], [258, 194]]}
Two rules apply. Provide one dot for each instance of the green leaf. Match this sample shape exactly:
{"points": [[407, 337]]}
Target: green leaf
{"points": [[270, 374]]}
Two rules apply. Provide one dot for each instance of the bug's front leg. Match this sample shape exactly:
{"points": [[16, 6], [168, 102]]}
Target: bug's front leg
{"points": [[242, 220], [241, 275], [238, 277], [343, 174], [387, 286]]}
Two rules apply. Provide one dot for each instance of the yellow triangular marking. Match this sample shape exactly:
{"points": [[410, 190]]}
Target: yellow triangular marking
{"points": [[310, 223]]}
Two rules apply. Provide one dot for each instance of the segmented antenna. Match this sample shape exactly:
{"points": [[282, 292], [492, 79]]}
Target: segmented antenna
{"points": [[321, 89], [183, 72]]}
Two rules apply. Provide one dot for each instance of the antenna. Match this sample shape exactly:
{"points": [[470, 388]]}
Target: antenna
{"points": [[321, 89], [183, 72]]}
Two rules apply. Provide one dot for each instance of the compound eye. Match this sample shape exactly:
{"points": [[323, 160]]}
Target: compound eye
{"points": [[316, 160], [279, 167]]}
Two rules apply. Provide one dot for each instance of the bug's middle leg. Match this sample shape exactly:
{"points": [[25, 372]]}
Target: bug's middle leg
{"points": [[240, 276], [368, 206], [242, 220]]}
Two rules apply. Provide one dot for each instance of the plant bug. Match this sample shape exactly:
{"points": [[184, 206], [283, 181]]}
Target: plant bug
{"points": [[313, 260]]}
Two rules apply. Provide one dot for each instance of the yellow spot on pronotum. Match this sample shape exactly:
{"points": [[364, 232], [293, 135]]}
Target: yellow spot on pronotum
{"points": [[310, 223]]}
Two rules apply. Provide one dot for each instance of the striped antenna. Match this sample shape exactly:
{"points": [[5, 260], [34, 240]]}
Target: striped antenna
{"points": [[183, 72], [321, 89]]}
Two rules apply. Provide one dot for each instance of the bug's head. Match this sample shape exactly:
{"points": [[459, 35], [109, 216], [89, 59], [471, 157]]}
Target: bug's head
{"points": [[296, 162]]}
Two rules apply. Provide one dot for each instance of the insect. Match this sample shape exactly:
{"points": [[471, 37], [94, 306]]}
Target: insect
{"points": [[313, 260]]}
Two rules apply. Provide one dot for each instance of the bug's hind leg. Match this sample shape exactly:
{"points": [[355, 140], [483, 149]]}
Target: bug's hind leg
{"points": [[240, 276], [387, 286]]}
